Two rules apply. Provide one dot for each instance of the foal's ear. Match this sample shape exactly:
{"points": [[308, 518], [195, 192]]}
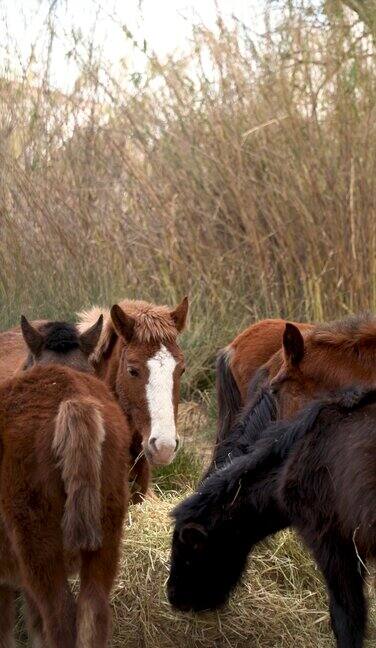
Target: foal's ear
{"points": [[179, 315], [32, 337], [123, 323], [193, 534], [293, 345], [90, 338]]}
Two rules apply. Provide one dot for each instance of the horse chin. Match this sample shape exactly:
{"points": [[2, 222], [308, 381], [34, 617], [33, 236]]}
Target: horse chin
{"points": [[186, 603], [155, 463]]}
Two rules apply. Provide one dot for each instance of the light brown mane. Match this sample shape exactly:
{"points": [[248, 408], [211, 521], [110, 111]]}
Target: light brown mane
{"points": [[153, 323], [348, 334]]}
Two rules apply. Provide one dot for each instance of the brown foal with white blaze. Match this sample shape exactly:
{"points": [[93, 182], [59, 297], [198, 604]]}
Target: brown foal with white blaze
{"points": [[64, 455], [139, 357]]}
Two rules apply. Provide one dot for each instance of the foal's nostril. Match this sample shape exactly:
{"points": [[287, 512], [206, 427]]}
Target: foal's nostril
{"points": [[153, 443]]}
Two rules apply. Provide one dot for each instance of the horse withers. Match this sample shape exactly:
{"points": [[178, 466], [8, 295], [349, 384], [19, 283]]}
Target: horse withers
{"points": [[64, 458]]}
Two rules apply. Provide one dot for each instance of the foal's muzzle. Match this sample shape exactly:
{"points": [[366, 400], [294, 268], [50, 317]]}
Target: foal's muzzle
{"points": [[160, 451]]}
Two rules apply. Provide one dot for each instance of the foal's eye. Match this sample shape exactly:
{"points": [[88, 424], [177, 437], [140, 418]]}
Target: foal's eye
{"points": [[133, 371]]}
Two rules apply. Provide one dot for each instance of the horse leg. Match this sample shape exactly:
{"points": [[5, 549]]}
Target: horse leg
{"points": [[7, 617], [34, 623], [139, 475], [56, 604], [43, 575], [54, 599], [98, 571], [344, 579]]}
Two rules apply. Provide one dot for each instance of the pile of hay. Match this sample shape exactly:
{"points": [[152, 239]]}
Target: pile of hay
{"points": [[281, 603]]}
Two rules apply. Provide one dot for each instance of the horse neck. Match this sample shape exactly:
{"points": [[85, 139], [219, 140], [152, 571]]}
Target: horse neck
{"points": [[5, 391], [107, 367], [341, 369]]}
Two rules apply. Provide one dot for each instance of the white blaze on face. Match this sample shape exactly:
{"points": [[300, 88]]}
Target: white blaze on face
{"points": [[159, 395]]}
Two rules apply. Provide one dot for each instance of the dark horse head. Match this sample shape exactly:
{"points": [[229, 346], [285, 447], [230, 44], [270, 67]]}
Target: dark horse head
{"points": [[60, 343]]}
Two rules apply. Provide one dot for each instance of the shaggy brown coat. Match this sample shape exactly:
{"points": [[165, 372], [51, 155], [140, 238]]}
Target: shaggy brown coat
{"points": [[63, 494]]}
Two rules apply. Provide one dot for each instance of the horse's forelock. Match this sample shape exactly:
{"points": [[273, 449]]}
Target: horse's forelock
{"points": [[60, 337], [152, 324]]}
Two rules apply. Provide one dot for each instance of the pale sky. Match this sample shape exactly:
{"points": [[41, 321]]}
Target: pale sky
{"points": [[165, 25]]}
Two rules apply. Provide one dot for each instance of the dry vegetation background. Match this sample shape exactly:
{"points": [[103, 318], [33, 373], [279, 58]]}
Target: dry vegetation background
{"points": [[243, 174]]}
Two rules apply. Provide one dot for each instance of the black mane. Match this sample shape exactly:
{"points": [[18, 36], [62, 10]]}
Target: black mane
{"points": [[255, 417], [258, 413], [60, 337]]}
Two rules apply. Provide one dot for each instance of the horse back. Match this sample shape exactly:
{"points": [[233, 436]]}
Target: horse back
{"points": [[254, 346], [29, 405], [331, 474]]}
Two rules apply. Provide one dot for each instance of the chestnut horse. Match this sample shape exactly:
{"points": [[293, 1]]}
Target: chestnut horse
{"points": [[139, 358], [238, 363], [64, 456], [319, 360]]}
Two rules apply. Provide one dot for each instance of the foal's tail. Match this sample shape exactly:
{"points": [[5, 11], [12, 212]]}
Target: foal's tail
{"points": [[77, 444], [228, 395]]}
